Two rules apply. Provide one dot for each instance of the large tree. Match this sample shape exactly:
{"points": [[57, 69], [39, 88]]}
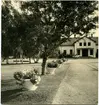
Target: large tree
{"points": [[48, 24], [56, 21]]}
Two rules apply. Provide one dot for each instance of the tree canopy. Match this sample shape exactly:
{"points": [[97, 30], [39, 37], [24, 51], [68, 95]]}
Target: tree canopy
{"points": [[44, 25]]}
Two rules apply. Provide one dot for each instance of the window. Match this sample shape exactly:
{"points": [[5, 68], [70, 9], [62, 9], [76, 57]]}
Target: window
{"points": [[71, 51], [91, 52], [78, 52], [89, 44], [64, 52], [80, 44], [84, 43]]}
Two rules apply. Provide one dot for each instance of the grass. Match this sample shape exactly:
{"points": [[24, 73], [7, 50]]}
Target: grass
{"points": [[13, 94]]}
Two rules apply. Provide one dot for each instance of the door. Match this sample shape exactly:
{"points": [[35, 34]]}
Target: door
{"points": [[97, 53], [85, 52]]}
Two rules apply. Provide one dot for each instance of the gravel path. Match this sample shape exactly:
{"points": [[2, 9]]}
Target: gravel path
{"points": [[80, 85]]}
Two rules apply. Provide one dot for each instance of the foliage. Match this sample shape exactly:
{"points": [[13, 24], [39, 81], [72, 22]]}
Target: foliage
{"points": [[52, 64], [63, 59], [18, 75], [6, 27], [59, 61], [28, 75], [44, 25], [32, 75]]}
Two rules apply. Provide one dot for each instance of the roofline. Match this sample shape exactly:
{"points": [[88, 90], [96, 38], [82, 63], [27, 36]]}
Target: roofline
{"points": [[83, 37], [66, 45]]}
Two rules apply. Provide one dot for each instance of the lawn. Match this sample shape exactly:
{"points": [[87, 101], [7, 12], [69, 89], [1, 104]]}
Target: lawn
{"points": [[13, 94]]}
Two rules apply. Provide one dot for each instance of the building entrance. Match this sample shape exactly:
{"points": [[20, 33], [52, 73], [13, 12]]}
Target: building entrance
{"points": [[85, 52], [97, 53]]}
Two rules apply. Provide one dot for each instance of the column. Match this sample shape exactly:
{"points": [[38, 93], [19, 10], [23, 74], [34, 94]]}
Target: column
{"points": [[94, 52], [88, 52], [80, 52]]}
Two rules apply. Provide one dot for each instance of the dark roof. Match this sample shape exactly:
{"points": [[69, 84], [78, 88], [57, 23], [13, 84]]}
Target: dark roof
{"points": [[94, 39], [71, 41]]}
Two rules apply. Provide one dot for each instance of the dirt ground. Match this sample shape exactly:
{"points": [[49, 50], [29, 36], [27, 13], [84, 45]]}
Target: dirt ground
{"points": [[80, 85]]}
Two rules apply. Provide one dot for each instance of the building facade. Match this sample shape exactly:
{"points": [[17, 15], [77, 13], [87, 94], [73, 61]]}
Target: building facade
{"points": [[84, 47]]}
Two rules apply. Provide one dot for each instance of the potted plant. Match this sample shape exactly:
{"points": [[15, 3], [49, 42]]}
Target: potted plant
{"points": [[51, 67], [28, 79]]}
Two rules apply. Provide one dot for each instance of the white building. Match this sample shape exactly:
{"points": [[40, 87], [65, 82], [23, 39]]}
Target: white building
{"points": [[84, 47]]}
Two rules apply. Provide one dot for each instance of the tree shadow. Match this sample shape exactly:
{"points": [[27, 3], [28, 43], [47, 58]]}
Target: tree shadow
{"points": [[10, 94]]}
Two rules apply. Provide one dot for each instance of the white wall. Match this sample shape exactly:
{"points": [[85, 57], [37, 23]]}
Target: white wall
{"points": [[92, 46], [67, 48]]}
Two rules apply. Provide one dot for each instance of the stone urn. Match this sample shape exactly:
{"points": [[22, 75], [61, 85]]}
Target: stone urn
{"points": [[51, 71], [30, 85]]}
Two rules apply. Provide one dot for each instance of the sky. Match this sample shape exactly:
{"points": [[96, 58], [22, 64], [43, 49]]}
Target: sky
{"points": [[17, 6]]}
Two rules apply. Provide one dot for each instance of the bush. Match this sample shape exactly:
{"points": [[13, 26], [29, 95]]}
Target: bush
{"points": [[18, 75], [59, 61], [63, 59], [69, 56], [28, 75], [52, 64], [60, 56]]}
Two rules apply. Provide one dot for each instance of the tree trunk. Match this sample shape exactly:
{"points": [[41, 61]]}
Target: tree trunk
{"points": [[29, 60], [7, 61], [44, 65], [3, 59], [22, 60], [21, 57], [34, 60], [16, 60]]}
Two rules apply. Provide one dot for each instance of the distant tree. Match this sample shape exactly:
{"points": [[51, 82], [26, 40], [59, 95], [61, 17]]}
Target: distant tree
{"points": [[12, 30], [7, 26]]}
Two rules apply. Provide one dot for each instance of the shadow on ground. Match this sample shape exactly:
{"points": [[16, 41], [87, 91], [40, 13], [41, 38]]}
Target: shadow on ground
{"points": [[10, 94]]}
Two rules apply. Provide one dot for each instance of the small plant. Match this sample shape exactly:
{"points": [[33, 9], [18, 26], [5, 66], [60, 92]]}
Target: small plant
{"points": [[59, 61], [63, 59], [52, 64], [18, 75], [28, 75]]}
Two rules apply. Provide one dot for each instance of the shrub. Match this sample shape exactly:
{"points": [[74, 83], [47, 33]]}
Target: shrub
{"points": [[69, 56], [28, 75], [63, 59], [59, 61], [52, 64], [60, 56], [18, 75]]}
